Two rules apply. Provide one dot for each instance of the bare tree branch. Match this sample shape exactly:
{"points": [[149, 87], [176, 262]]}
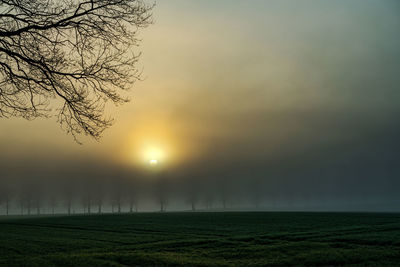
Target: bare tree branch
{"points": [[79, 52]]}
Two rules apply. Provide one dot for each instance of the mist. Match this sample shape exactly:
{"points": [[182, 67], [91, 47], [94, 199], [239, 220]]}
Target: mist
{"points": [[273, 105]]}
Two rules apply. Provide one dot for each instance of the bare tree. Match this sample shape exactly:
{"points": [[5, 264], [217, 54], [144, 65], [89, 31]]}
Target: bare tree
{"points": [[26, 200], [87, 199], [34, 188], [53, 192], [133, 201], [192, 191], [68, 201], [7, 198], [68, 192], [37, 198], [117, 193], [53, 202], [161, 191], [25, 196], [132, 194], [209, 199], [5, 194], [224, 194], [98, 197], [76, 52]]}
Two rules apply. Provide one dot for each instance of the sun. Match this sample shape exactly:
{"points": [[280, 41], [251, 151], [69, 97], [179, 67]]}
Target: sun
{"points": [[154, 155], [153, 162]]}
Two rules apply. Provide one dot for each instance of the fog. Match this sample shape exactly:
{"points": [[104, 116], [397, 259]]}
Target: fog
{"points": [[268, 105]]}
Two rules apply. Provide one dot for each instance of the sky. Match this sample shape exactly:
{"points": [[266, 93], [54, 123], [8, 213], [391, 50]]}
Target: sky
{"points": [[298, 99]]}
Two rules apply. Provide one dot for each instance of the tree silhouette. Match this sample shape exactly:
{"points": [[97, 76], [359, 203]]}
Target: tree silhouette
{"points": [[87, 198], [37, 195], [68, 192], [5, 194], [192, 190], [209, 199], [53, 202], [98, 195], [117, 195], [72, 55], [132, 192], [161, 191], [53, 193]]}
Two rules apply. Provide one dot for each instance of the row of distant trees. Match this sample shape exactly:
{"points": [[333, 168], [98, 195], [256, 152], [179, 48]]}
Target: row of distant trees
{"points": [[36, 196], [91, 195]]}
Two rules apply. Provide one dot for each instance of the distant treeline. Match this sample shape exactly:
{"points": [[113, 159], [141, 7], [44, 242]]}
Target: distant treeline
{"points": [[122, 193]]}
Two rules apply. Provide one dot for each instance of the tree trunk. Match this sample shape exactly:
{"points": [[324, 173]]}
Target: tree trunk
{"points": [[193, 206]]}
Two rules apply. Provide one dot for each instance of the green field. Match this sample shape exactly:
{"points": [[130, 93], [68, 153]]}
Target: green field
{"points": [[202, 239]]}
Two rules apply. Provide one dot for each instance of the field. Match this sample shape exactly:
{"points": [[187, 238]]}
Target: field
{"points": [[202, 239]]}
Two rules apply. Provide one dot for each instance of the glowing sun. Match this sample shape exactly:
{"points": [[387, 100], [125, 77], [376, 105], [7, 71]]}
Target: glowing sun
{"points": [[154, 155], [153, 162]]}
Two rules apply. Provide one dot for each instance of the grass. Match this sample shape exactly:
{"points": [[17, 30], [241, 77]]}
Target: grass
{"points": [[202, 239]]}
